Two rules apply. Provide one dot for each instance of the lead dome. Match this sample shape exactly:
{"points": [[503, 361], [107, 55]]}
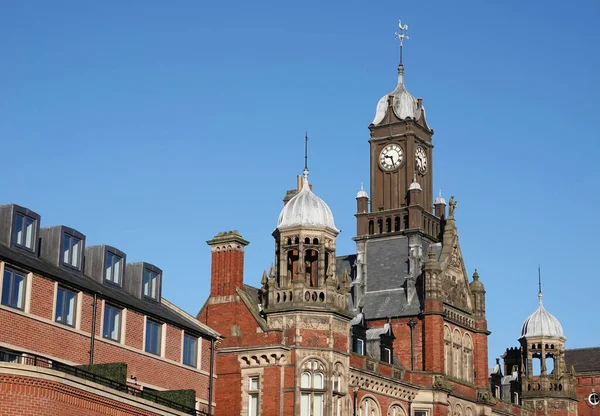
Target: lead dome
{"points": [[404, 104], [306, 209], [541, 323]]}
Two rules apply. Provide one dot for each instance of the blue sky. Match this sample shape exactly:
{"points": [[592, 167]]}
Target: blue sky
{"points": [[152, 126]]}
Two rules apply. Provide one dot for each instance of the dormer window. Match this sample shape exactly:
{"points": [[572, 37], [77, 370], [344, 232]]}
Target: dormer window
{"points": [[150, 284], [71, 251], [113, 268], [25, 227]]}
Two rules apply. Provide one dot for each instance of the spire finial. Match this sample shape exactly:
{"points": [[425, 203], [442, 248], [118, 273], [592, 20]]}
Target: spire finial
{"points": [[440, 193], [362, 187], [539, 284], [305, 171]]}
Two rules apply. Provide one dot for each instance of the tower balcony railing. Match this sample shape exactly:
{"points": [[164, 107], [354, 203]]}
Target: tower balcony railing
{"points": [[301, 295], [398, 221]]}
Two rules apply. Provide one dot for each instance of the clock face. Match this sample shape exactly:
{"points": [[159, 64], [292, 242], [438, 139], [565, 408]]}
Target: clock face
{"points": [[421, 160], [391, 156]]}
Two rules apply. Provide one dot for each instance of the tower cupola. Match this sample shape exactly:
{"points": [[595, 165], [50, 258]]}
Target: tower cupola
{"points": [[306, 209], [541, 323]]}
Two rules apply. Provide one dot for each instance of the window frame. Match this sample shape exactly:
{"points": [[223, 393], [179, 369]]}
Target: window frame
{"points": [[253, 395], [121, 263], [194, 352], [156, 280], [22, 297], [119, 315], [313, 368], [150, 323], [356, 342], [388, 350], [63, 311], [34, 232], [81, 242]]}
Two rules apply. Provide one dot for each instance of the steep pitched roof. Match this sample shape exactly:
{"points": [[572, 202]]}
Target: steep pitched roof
{"points": [[585, 360]]}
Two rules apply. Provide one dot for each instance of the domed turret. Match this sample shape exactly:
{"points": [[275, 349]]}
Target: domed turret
{"points": [[404, 104], [541, 323], [306, 209]]}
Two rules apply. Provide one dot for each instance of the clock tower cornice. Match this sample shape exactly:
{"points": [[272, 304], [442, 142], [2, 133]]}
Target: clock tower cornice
{"points": [[420, 140]]}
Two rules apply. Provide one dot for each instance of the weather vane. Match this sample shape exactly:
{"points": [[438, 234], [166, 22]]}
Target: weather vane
{"points": [[401, 35]]}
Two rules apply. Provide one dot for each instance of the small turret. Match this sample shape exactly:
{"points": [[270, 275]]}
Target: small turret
{"points": [[440, 206], [362, 200], [478, 293]]}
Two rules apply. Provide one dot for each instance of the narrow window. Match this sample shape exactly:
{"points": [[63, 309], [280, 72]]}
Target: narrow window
{"points": [[153, 333], [359, 346], [13, 289], [65, 306], [190, 350], [112, 323], [113, 268], [150, 284], [420, 412], [386, 355], [253, 390], [71, 251], [25, 230]]}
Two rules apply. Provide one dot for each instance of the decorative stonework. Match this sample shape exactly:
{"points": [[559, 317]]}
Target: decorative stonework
{"points": [[263, 358], [485, 396], [459, 318], [441, 383], [382, 386], [454, 291]]}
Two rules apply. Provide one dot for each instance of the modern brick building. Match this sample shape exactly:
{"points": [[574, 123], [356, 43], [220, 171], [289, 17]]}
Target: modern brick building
{"points": [[64, 305], [398, 328]]}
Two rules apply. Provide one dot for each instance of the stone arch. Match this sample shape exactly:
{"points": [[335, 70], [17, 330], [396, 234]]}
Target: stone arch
{"points": [[467, 357], [396, 409], [457, 354], [458, 410], [369, 406], [447, 350]]}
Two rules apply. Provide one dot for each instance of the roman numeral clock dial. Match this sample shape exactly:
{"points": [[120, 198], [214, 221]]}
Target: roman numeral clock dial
{"points": [[391, 157]]}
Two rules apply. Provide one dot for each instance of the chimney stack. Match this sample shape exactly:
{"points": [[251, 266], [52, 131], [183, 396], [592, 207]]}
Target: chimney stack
{"points": [[227, 270]]}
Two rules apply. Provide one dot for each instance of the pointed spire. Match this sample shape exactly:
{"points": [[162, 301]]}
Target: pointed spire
{"points": [[272, 272], [263, 281], [540, 284], [305, 171], [475, 275]]}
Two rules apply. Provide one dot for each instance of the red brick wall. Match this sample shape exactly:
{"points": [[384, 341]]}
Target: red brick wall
{"points": [[227, 272], [64, 343], [585, 384], [228, 386], [270, 390], [42, 290], [29, 396]]}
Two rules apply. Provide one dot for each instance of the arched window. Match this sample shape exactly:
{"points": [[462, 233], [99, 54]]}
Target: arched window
{"points": [[467, 358], [396, 410], [388, 225], [371, 228], [457, 354], [447, 351], [397, 224], [312, 389], [339, 387], [368, 407]]}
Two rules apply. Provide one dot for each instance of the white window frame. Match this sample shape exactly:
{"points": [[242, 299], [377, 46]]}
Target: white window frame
{"points": [[75, 306], [253, 395]]}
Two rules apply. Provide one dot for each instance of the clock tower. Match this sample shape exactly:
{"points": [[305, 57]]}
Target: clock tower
{"points": [[401, 182]]}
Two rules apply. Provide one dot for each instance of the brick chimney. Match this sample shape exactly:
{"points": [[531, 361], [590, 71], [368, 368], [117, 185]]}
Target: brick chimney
{"points": [[227, 270]]}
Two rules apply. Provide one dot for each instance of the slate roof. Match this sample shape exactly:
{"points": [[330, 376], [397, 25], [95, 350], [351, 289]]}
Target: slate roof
{"points": [[387, 272], [346, 263], [585, 360], [250, 296], [116, 295]]}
